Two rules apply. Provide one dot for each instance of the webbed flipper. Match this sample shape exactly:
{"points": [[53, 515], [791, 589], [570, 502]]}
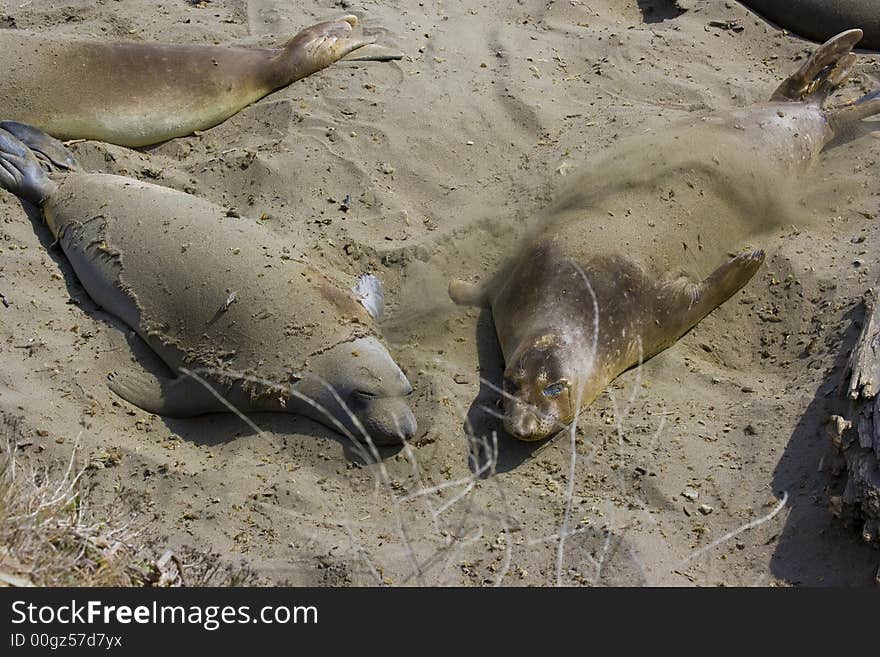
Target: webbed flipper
{"points": [[51, 152], [467, 294], [826, 68], [181, 396], [685, 305], [21, 172]]}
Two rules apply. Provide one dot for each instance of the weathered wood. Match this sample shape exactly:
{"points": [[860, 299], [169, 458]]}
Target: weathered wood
{"points": [[857, 437], [864, 363]]}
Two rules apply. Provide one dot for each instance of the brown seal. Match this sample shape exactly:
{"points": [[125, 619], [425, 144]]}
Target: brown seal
{"points": [[628, 261], [136, 94]]}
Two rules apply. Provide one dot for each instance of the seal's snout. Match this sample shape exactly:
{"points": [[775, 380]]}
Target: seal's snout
{"points": [[522, 427], [388, 421], [528, 426], [406, 425]]}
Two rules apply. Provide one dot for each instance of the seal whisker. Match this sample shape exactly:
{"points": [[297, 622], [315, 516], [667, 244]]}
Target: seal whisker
{"points": [[223, 400], [356, 444]]}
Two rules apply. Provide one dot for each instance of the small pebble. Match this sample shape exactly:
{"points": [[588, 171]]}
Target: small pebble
{"points": [[705, 509]]}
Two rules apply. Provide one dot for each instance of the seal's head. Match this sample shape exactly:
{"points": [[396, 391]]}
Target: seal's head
{"points": [[358, 382], [540, 387]]}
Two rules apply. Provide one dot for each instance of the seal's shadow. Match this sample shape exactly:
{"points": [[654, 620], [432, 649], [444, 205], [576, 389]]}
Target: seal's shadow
{"points": [[207, 430], [657, 11], [814, 548], [480, 424]]}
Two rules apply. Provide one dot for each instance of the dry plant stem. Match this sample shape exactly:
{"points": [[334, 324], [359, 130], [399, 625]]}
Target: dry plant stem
{"points": [[383, 479], [736, 532], [572, 466], [45, 532]]}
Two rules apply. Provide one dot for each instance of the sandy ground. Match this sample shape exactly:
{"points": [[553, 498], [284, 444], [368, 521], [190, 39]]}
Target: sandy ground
{"points": [[446, 155]]}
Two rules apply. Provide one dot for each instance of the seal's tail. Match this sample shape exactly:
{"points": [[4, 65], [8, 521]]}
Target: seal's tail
{"points": [[319, 46], [27, 157], [826, 69]]}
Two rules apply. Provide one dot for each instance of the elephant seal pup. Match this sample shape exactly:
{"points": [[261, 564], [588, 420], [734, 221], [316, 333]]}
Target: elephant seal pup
{"points": [[137, 94], [600, 286], [819, 19], [215, 295]]}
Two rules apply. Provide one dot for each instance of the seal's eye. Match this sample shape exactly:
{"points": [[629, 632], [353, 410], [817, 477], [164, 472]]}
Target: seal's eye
{"points": [[555, 389]]}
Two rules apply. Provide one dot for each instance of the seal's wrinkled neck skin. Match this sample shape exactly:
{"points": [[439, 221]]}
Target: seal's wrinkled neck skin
{"points": [[543, 384], [368, 388]]}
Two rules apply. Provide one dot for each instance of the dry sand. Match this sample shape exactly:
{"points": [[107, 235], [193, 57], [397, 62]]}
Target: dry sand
{"points": [[446, 155]]}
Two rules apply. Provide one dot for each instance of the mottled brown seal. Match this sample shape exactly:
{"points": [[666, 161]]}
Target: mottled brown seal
{"points": [[628, 260], [216, 295], [136, 94]]}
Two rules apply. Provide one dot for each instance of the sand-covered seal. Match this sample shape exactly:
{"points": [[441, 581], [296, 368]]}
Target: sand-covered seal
{"points": [[136, 94], [637, 252], [820, 19], [215, 295]]}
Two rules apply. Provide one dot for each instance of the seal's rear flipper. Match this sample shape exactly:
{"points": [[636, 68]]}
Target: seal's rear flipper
{"points": [[318, 46], [179, 397], [51, 152], [373, 52], [867, 105], [467, 294], [827, 68], [21, 171]]}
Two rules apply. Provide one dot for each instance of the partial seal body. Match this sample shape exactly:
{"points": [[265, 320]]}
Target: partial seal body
{"points": [[136, 94], [219, 297], [820, 19], [638, 251]]}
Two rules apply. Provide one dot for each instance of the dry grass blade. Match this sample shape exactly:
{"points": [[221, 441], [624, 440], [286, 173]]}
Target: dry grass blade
{"points": [[49, 538]]}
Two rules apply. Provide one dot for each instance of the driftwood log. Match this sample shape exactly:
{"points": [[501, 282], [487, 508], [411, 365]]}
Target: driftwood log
{"points": [[857, 436]]}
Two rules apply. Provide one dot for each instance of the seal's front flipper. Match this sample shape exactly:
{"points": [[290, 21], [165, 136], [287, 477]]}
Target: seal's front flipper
{"points": [[467, 294], [729, 279], [371, 295], [822, 72], [693, 301], [172, 397]]}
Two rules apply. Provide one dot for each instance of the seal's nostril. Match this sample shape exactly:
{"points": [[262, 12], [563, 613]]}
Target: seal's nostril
{"points": [[409, 427], [403, 427]]}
